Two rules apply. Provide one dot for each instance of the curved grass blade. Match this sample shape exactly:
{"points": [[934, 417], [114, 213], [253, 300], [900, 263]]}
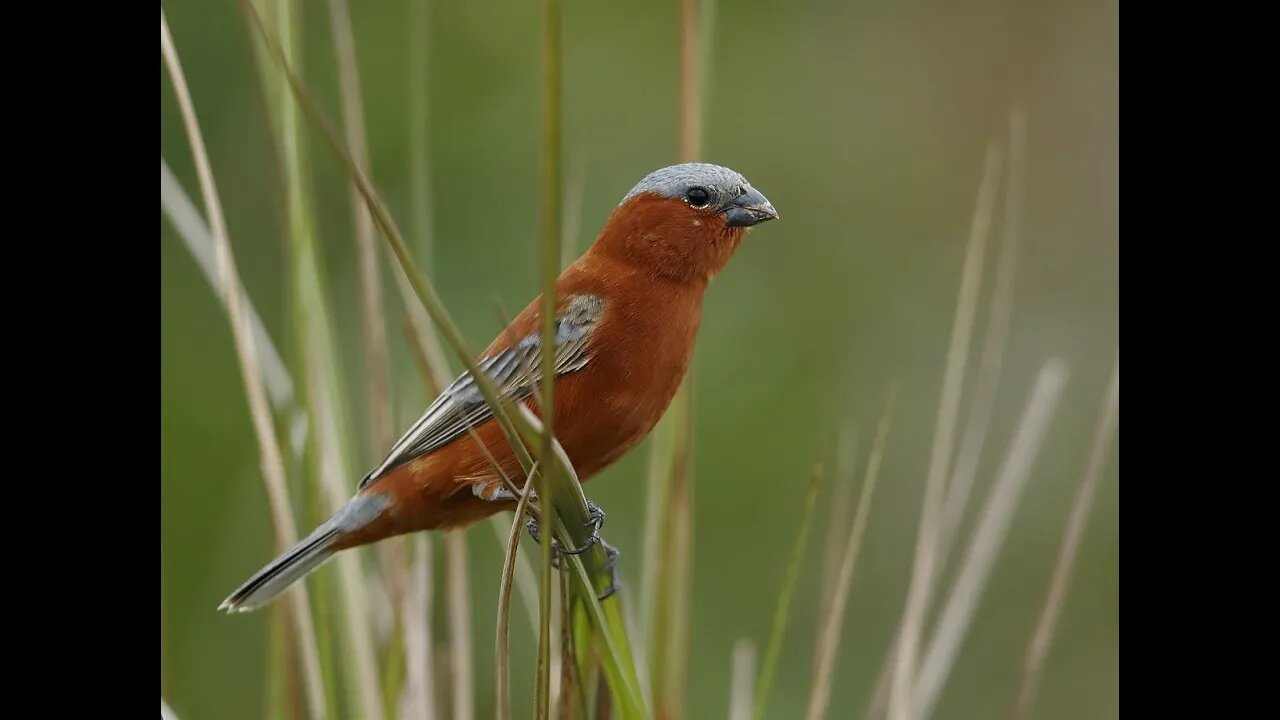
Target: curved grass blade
{"points": [[570, 527], [232, 291]]}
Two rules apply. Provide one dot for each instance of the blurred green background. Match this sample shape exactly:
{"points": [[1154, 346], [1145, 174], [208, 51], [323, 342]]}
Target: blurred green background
{"points": [[865, 124]]}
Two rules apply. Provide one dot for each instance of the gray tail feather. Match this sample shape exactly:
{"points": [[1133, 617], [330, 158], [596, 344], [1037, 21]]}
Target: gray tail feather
{"points": [[284, 571], [307, 555]]}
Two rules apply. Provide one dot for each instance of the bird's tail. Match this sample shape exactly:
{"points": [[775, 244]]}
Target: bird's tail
{"points": [[310, 553]]}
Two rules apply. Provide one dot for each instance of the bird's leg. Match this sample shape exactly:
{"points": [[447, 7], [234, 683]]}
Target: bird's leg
{"points": [[610, 564], [595, 522]]}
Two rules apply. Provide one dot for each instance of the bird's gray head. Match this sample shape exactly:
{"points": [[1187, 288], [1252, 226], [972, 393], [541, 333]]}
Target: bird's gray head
{"points": [[712, 187]]}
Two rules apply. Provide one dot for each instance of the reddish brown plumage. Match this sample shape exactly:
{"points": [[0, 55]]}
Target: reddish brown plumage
{"points": [[627, 315], [650, 265]]}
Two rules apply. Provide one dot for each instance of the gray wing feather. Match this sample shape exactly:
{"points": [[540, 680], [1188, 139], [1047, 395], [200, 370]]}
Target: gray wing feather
{"points": [[515, 371]]}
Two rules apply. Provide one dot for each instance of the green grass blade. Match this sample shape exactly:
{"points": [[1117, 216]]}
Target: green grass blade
{"points": [[549, 185], [418, 699], [458, 602], [570, 527], [589, 578], [586, 653], [392, 552], [329, 447], [232, 291], [502, 652], [776, 635], [422, 287], [666, 596], [199, 242]]}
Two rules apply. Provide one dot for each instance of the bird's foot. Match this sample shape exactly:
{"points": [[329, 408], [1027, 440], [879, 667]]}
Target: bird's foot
{"points": [[595, 522]]}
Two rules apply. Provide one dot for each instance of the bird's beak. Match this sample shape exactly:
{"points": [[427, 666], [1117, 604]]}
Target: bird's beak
{"points": [[749, 209]]}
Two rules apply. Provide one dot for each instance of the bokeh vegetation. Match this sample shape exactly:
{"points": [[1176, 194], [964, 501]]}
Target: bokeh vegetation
{"points": [[867, 127]]}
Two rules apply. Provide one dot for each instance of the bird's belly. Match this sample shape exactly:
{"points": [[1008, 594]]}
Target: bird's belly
{"points": [[602, 419]]}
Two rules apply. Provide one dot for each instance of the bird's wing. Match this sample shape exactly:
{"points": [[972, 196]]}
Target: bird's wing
{"points": [[515, 371]]}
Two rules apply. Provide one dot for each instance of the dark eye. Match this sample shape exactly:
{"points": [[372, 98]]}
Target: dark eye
{"points": [[698, 197]]}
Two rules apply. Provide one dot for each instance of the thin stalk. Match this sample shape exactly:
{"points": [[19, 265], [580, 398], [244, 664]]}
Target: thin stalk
{"points": [[668, 548], [373, 328], [586, 650], [995, 342], [270, 459], [280, 679], [459, 608], [774, 648], [199, 241], [572, 523], [419, 145], [986, 384], [526, 578], [417, 697], [421, 226], [557, 644], [656, 557], [382, 217], [330, 446], [682, 513], [832, 622], [880, 690], [837, 516], [988, 537], [668, 567], [419, 684], [1042, 638], [195, 234], [926, 551], [424, 341], [741, 690], [610, 624], [549, 184], [567, 693], [392, 554], [692, 62], [572, 212], [389, 633], [502, 653]]}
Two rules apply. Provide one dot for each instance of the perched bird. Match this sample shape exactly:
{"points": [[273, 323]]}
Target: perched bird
{"points": [[627, 314]]}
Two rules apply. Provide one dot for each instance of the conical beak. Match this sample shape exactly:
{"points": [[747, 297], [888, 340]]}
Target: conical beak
{"points": [[749, 209]]}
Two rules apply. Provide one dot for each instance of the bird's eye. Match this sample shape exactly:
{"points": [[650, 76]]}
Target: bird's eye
{"points": [[698, 197]]}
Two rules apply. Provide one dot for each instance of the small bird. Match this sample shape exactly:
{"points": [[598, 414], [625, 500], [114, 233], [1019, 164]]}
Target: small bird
{"points": [[627, 315]]}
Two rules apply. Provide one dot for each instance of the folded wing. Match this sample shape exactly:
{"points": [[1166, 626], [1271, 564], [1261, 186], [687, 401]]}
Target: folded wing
{"points": [[515, 371]]}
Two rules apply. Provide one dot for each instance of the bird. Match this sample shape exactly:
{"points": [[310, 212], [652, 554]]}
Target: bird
{"points": [[628, 312]]}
